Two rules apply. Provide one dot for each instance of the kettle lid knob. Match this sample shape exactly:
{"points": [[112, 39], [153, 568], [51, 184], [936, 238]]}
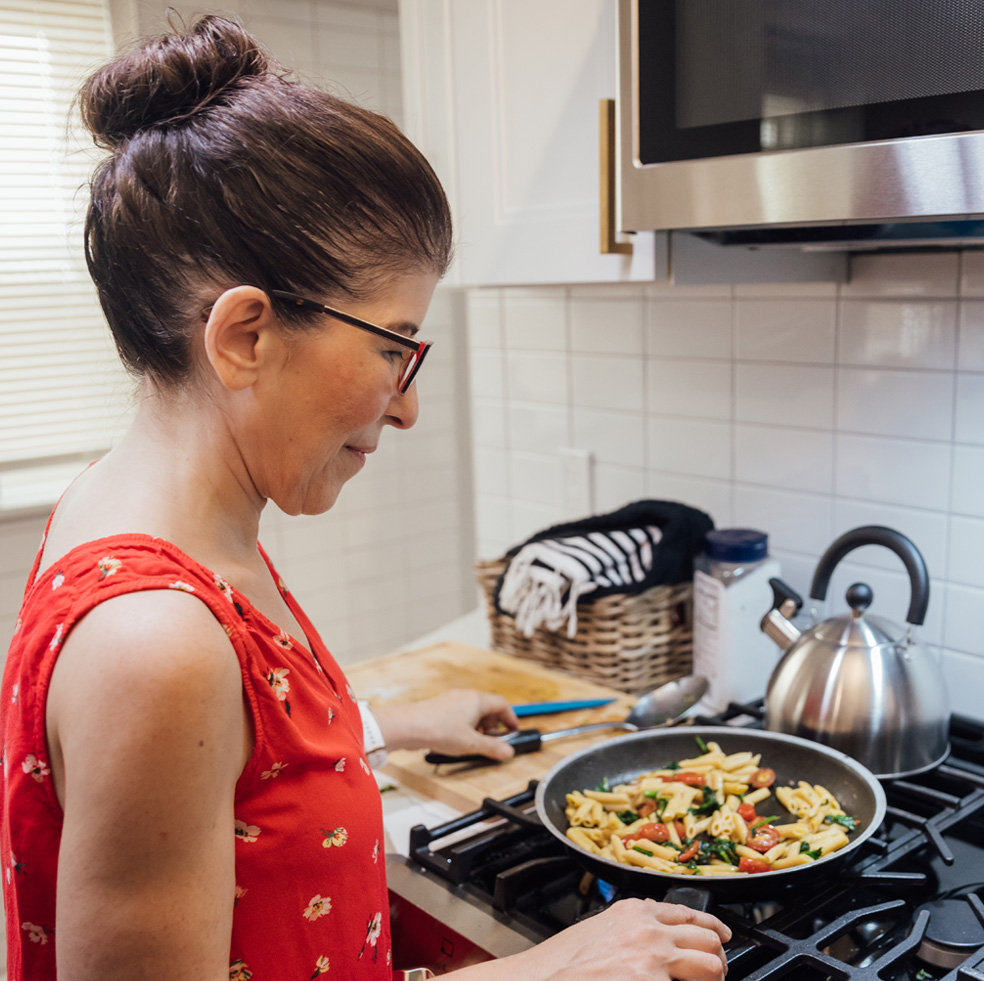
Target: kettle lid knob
{"points": [[859, 597]]}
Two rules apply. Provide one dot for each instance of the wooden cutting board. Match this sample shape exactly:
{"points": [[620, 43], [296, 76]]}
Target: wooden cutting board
{"points": [[414, 675]]}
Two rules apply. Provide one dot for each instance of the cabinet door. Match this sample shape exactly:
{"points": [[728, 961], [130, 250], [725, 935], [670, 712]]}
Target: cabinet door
{"points": [[503, 96]]}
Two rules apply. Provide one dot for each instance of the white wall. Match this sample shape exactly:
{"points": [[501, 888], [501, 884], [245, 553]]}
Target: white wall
{"points": [[392, 560], [800, 410]]}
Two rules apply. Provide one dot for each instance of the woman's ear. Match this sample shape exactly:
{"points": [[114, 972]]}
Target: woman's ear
{"points": [[241, 336]]}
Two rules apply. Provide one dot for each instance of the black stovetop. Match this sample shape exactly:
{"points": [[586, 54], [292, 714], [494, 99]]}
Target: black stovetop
{"points": [[907, 909]]}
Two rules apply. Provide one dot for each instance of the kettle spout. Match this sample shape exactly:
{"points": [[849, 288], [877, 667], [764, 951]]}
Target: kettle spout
{"points": [[776, 624], [778, 628]]}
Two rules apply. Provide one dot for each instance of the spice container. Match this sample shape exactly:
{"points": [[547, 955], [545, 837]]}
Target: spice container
{"points": [[731, 595]]}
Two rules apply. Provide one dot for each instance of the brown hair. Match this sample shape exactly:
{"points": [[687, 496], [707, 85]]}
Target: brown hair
{"points": [[224, 171]]}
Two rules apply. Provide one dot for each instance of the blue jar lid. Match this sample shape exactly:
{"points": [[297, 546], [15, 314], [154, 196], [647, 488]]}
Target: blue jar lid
{"points": [[736, 545]]}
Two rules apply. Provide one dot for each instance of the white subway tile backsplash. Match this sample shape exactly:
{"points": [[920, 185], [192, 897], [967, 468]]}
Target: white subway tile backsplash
{"points": [[966, 551], [898, 334], [789, 395], [608, 382], [690, 328], [794, 291], [485, 319], [968, 480], [915, 274], [492, 471], [689, 388], [533, 377], [964, 675], [962, 624], [926, 529], [884, 402], [529, 519], [534, 323], [615, 486], [493, 524], [613, 437], [794, 330], [970, 356], [542, 428], [793, 520], [793, 459], [606, 326], [710, 496], [972, 274], [536, 479], [489, 422], [969, 422], [695, 447], [487, 372], [897, 471]]}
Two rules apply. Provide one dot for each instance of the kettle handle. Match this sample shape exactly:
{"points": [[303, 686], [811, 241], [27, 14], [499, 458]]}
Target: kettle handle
{"points": [[877, 535]]}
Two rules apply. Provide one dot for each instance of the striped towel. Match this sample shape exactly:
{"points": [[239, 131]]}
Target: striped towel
{"points": [[644, 544]]}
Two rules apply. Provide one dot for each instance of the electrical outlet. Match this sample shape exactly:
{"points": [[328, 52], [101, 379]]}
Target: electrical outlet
{"points": [[577, 476]]}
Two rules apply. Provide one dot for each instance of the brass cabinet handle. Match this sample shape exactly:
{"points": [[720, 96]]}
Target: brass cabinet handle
{"points": [[607, 169]]}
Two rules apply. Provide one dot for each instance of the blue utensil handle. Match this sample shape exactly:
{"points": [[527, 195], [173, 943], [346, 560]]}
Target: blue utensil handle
{"points": [[548, 708]]}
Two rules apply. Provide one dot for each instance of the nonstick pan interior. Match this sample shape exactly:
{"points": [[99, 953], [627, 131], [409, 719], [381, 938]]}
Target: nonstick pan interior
{"points": [[793, 759]]}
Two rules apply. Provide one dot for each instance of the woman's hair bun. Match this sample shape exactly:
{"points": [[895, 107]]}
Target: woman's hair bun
{"points": [[169, 78]]}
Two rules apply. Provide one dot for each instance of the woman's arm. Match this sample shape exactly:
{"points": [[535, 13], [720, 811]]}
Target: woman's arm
{"points": [[455, 722], [148, 734]]}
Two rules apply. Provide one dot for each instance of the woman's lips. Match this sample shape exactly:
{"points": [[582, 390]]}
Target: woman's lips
{"points": [[359, 453]]}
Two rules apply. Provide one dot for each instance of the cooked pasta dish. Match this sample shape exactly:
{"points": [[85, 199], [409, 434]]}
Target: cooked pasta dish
{"points": [[701, 816]]}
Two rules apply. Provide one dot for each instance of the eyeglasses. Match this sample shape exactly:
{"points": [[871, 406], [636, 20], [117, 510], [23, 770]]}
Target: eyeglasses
{"points": [[416, 350]]}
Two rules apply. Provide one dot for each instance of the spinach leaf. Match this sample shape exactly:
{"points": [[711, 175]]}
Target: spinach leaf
{"points": [[627, 817], [604, 787], [805, 850], [710, 805], [701, 745], [845, 820], [645, 851]]}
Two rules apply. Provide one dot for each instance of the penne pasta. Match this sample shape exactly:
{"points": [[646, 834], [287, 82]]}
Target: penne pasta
{"points": [[698, 817]]}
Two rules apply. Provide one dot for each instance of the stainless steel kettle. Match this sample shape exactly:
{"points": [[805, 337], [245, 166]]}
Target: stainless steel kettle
{"points": [[859, 683]]}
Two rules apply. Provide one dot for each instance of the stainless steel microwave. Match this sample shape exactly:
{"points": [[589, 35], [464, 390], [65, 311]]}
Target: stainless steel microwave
{"points": [[832, 121]]}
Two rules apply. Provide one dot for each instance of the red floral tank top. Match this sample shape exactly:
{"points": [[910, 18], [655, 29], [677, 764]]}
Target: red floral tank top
{"points": [[310, 897]]}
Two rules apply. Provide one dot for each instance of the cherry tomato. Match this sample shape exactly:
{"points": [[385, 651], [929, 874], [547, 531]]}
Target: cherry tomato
{"points": [[647, 808], [763, 777], [753, 865], [763, 838], [689, 852], [690, 779], [747, 813], [650, 832], [680, 829]]}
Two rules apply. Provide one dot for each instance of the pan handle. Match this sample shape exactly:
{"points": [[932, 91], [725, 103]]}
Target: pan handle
{"points": [[699, 899]]}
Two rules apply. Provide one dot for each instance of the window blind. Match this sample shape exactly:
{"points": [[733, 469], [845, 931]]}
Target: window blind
{"points": [[63, 395]]}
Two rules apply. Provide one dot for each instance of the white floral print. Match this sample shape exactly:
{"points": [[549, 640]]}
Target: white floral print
{"points": [[279, 683], [246, 832], [319, 906], [373, 929], [57, 639], [240, 892], [15, 688], [321, 967], [336, 837], [283, 639], [35, 767], [238, 971], [107, 566], [180, 584], [365, 766], [375, 852], [36, 934], [339, 765], [59, 580], [275, 770], [224, 588]]}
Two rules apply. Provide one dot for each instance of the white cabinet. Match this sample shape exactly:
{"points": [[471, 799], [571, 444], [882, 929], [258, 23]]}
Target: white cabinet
{"points": [[503, 98]]}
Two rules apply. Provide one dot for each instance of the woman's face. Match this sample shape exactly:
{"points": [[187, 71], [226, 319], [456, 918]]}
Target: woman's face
{"points": [[322, 410]]}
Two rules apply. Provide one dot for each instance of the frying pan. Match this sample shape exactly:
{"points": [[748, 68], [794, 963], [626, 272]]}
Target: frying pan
{"points": [[620, 760]]}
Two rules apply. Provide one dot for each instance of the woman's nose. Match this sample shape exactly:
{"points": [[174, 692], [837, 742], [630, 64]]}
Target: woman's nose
{"points": [[403, 409]]}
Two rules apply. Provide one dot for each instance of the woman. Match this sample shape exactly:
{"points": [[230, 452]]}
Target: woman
{"points": [[184, 762]]}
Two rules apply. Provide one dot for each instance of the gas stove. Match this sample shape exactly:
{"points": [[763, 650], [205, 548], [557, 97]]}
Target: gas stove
{"points": [[909, 908]]}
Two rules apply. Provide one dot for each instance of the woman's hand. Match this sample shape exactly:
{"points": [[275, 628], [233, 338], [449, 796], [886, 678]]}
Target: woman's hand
{"points": [[632, 940], [456, 722]]}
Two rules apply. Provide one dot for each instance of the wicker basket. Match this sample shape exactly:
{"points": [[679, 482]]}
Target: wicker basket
{"points": [[629, 642]]}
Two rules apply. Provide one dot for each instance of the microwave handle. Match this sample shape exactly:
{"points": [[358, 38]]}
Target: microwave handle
{"points": [[609, 244]]}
